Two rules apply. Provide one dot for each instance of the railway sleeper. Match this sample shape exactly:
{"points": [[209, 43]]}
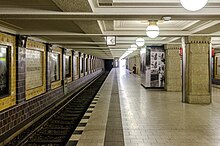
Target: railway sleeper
{"points": [[69, 114], [65, 118], [60, 122], [49, 126], [38, 137], [52, 134], [51, 142], [57, 131]]}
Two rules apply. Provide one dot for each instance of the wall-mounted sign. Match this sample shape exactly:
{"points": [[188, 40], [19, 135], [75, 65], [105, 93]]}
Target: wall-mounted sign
{"points": [[111, 40]]}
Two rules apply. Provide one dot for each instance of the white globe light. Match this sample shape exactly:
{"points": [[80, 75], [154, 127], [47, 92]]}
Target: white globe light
{"points": [[193, 5], [129, 51], [140, 42], [152, 31], [134, 47]]}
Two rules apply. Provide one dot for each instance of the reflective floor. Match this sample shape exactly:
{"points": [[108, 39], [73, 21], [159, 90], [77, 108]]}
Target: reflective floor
{"points": [[155, 118]]}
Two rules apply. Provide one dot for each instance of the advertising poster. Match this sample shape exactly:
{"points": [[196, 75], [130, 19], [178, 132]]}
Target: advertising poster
{"points": [[4, 89], [218, 66], [67, 66], [75, 69], [34, 61], [143, 65], [152, 66], [82, 65], [86, 64], [54, 67], [148, 65], [157, 66]]}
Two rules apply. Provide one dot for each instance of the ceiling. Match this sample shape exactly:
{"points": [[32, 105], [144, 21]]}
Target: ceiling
{"points": [[83, 24]]}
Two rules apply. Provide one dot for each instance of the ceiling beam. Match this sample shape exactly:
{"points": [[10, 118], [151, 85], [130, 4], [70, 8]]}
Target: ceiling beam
{"points": [[77, 43], [107, 33], [206, 25], [118, 34], [85, 47], [146, 14]]}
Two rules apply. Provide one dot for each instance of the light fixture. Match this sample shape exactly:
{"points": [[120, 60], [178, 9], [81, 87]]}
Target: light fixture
{"points": [[166, 18], [133, 47], [193, 5], [140, 42], [129, 51], [152, 29]]}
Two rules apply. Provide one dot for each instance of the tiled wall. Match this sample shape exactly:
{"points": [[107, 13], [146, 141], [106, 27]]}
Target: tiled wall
{"points": [[58, 83], [33, 102]]}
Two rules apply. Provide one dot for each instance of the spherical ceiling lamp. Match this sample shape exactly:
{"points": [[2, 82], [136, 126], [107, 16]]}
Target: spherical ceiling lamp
{"points": [[193, 5], [134, 47], [152, 30], [129, 51], [140, 42]]}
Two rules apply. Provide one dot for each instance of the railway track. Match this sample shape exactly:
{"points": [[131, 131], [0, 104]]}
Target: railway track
{"points": [[56, 127]]}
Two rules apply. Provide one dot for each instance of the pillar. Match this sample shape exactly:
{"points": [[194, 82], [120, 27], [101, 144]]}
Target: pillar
{"points": [[48, 73], [197, 70], [173, 71], [20, 67], [64, 79], [73, 65]]}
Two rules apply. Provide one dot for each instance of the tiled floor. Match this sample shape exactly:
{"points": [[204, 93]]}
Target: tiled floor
{"points": [[156, 118], [151, 117]]}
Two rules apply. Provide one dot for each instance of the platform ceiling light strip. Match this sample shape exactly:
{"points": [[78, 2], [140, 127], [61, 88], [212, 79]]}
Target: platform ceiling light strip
{"points": [[193, 5]]}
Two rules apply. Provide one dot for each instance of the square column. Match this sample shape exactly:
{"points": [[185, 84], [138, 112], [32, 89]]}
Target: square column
{"points": [[48, 71], [20, 68], [197, 70], [173, 71]]}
